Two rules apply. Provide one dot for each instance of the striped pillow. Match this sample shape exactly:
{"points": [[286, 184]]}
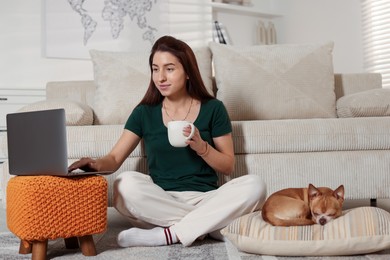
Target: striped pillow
{"points": [[122, 79], [285, 81], [76, 113], [358, 231], [370, 103]]}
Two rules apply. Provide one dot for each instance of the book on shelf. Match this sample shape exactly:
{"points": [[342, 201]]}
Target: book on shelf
{"points": [[220, 33]]}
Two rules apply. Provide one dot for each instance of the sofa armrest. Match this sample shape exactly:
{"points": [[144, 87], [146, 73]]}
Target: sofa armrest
{"points": [[347, 84], [80, 91]]}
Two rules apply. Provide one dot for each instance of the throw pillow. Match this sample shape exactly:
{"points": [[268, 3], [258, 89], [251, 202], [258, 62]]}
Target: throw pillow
{"points": [[122, 79], [358, 231], [275, 81], [76, 113], [374, 102]]}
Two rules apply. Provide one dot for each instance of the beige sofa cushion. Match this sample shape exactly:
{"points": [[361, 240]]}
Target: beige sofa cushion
{"points": [[359, 231], [275, 81], [76, 113], [370, 103], [122, 79]]}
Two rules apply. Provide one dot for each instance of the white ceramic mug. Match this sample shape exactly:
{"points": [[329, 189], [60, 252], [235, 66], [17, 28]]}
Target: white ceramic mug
{"points": [[175, 133]]}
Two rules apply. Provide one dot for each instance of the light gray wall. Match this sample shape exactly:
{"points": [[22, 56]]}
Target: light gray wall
{"points": [[21, 41], [320, 21]]}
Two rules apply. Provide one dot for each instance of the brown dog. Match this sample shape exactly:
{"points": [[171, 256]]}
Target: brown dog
{"points": [[303, 206]]}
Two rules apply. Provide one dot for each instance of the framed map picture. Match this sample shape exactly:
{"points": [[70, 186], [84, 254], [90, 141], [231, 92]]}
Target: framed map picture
{"points": [[73, 27]]}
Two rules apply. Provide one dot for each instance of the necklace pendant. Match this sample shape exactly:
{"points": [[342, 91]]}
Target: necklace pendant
{"points": [[188, 112]]}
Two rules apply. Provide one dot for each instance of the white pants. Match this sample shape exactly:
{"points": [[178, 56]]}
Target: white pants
{"points": [[192, 214]]}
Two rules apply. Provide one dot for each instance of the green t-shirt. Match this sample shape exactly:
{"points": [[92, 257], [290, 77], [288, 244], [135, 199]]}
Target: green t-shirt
{"points": [[179, 168]]}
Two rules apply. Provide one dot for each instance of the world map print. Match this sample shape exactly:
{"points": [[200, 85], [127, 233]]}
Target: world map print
{"points": [[74, 27], [115, 12]]}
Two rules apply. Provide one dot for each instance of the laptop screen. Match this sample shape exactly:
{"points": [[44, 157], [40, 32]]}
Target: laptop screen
{"points": [[37, 142]]}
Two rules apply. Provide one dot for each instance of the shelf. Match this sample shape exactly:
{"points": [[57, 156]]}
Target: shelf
{"points": [[244, 10], [22, 92]]}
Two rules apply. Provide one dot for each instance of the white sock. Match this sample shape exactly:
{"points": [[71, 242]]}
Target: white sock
{"points": [[157, 236]]}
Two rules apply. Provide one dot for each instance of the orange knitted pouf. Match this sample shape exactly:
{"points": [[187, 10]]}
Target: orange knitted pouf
{"points": [[49, 207]]}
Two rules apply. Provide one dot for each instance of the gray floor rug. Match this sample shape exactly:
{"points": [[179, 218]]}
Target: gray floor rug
{"points": [[107, 248]]}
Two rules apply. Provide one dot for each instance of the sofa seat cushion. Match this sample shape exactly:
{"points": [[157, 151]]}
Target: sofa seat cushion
{"points": [[375, 102], [314, 135], [255, 137], [138, 164], [275, 81], [122, 79], [358, 231], [363, 173], [96, 141]]}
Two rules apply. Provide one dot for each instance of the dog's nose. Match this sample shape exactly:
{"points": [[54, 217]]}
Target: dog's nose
{"points": [[322, 221]]}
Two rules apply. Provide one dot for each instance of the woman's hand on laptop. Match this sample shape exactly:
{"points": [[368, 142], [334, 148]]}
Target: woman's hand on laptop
{"points": [[86, 164]]}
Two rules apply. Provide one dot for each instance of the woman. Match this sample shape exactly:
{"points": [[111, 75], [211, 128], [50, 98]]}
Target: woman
{"points": [[179, 200]]}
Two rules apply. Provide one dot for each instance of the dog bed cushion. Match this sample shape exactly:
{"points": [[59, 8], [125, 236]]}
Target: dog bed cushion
{"points": [[360, 230]]}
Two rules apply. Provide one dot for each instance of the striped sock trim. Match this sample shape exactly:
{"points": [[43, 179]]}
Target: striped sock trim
{"points": [[168, 236]]}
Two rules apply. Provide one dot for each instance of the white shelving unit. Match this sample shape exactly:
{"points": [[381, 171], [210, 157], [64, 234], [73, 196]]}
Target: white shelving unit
{"points": [[13, 99], [243, 10], [3, 135], [241, 22]]}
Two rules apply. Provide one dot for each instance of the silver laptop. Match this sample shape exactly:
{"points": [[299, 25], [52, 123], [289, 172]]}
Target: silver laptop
{"points": [[37, 144]]}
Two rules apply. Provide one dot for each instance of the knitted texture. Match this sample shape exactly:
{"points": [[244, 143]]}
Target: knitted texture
{"points": [[49, 207]]}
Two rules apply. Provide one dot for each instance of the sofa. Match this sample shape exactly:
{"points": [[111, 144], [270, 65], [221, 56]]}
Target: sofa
{"points": [[294, 120]]}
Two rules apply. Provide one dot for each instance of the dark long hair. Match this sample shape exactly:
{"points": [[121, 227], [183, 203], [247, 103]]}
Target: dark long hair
{"points": [[195, 86]]}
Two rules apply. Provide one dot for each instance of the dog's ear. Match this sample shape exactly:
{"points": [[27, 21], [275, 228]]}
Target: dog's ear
{"points": [[339, 192], [313, 191]]}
